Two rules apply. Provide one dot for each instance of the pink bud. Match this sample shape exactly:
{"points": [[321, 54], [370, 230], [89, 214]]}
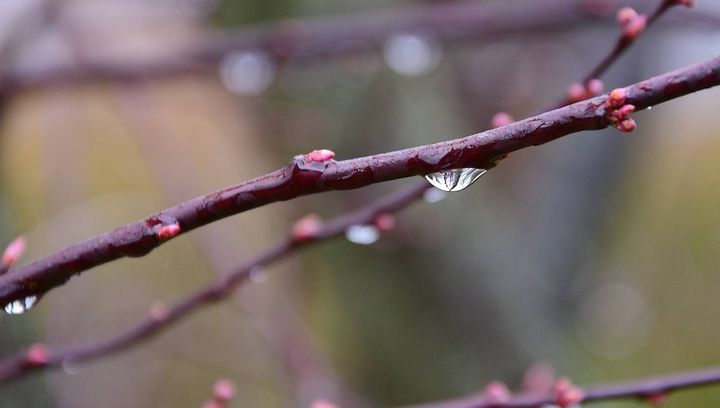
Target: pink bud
{"points": [[635, 27], [626, 125], [657, 399], [322, 404], [625, 110], [501, 119], [496, 392], [594, 87], [384, 221], [158, 311], [319, 155], [37, 355], [625, 15], [566, 393], [14, 251], [576, 93], [168, 231], [223, 391], [306, 228], [617, 97]]}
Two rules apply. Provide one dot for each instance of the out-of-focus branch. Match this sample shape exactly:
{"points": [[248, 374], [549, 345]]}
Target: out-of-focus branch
{"points": [[334, 35], [306, 232], [650, 389], [317, 172]]}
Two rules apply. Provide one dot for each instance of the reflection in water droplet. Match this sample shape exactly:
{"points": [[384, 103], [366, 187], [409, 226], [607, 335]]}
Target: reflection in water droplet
{"points": [[258, 275], [412, 54], [247, 72], [17, 307], [362, 234], [433, 195], [649, 108], [454, 179]]}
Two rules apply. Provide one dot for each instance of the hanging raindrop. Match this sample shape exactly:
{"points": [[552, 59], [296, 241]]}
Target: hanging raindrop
{"points": [[247, 72], [17, 307], [412, 54], [362, 234], [455, 179]]}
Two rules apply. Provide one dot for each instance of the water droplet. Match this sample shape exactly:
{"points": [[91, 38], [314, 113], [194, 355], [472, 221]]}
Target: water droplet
{"points": [[258, 275], [455, 179], [412, 54], [17, 307], [649, 108], [362, 234], [247, 72], [433, 195]]}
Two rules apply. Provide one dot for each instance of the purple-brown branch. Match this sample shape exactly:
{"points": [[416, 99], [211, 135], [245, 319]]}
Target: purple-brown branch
{"points": [[38, 357], [305, 175], [643, 389], [329, 36]]}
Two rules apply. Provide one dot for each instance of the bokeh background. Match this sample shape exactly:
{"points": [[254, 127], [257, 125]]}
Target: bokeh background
{"points": [[596, 254]]}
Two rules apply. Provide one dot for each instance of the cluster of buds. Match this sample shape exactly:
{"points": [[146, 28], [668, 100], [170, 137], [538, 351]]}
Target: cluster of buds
{"points": [[632, 24], [567, 393], [618, 112], [223, 392], [579, 92]]}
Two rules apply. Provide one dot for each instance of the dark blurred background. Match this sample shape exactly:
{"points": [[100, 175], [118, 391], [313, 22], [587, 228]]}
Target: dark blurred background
{"points": [[595, 254]]}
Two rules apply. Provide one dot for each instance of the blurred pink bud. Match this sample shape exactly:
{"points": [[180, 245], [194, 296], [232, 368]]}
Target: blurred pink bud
{"points": [[37, 355], [501, 119], [625, 15], [168, 231], [594, 87], [632, 24], [384, 221], [626, 125], [322, 404], [319, 155], [576, 93], [14, 251], [657, 399], [539, 379], [496, 392], [224, 390], [158, 311], [567, 393], [306, 228]]}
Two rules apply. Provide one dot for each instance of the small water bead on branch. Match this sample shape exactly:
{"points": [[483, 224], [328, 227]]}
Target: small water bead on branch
{"points": [[455, 179], [20, 306]]}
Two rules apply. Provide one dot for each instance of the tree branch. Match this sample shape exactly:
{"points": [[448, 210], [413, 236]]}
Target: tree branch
{"points": [[639, 389], [38, 357], [317, 172]]}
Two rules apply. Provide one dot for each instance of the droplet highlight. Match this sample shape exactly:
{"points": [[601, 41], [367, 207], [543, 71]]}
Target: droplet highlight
{"points": [[258, 275], [247, 72], [362, 234], [412, 54], [18, 307], [455, 179]]}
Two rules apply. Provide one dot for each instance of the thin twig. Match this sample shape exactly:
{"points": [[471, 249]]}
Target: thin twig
{"points": [[305, 175], [38, 357], [637, 389]]}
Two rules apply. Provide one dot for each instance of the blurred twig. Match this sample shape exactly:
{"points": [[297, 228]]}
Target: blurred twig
{"points": [[316, 172]]}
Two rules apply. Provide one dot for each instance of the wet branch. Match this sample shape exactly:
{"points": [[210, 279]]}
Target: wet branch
{"points": [[652, 388], [38, 357], [316, 172]]}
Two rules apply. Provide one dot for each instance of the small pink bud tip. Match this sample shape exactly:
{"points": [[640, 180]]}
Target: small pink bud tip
{"points": [[496, 392], [37, 355], [625, 15], [158, 311], [617, 97], [594, 87], [384, 222], [223, 391], [168, 231], [626, 125], [322, 404], [566, 393], [658, 399], [576, 93], [14, 251], [501, 119], [306, 228], [319, 155]]}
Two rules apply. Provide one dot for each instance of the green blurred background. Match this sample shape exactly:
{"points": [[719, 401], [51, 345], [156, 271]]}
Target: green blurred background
{"points": [[596, 254]]}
